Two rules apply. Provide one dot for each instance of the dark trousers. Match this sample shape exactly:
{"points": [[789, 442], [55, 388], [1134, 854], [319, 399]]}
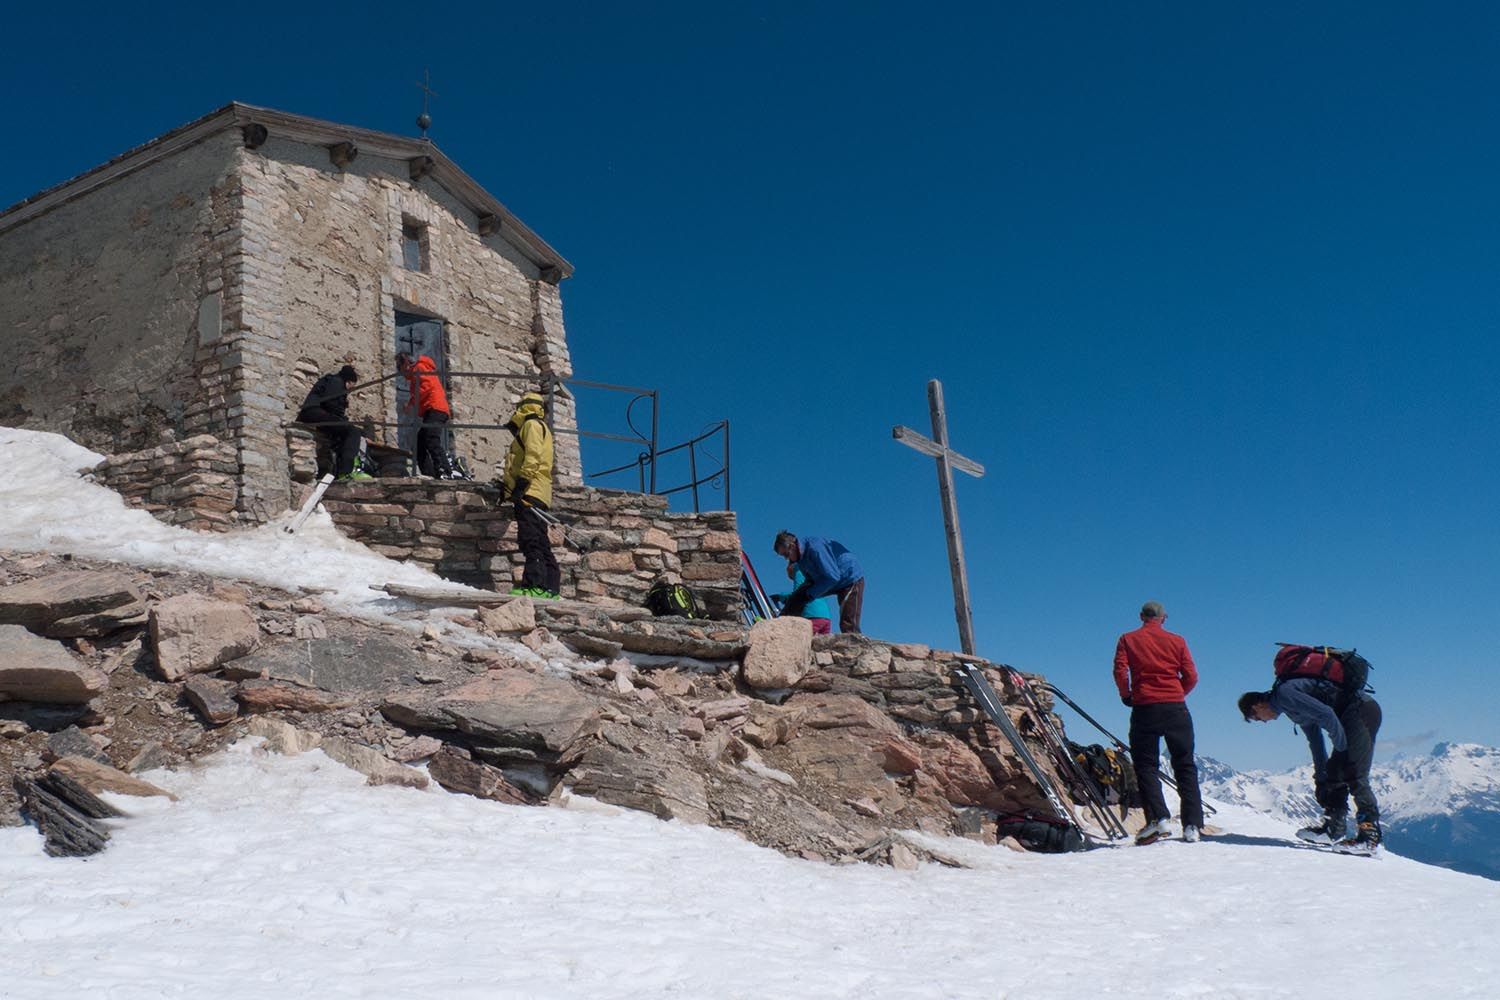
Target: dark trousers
{"points": [[342, 437], [1349, 770], [531, 533], [432, 459], [1149, 725], [851, 605]]}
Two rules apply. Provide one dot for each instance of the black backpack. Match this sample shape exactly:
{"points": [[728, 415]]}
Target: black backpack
{"points": [[664, 599], [1040, 833]]}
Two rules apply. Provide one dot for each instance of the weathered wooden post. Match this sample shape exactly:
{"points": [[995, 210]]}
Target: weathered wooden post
{"points": [[947, 461]]}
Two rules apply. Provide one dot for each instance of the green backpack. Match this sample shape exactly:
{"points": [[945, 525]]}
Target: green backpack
{"points": [[666, 598]]}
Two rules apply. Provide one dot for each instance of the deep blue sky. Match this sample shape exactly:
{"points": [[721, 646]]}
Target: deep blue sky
{"points": [[1214, 293]]}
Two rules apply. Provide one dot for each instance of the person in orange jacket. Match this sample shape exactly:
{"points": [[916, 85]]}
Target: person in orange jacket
{"points": [[426, 398], [1154, 673]]}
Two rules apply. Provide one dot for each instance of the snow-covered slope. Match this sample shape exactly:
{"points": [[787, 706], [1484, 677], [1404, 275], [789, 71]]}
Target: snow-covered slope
{"points": [[289, 877], [1442, 808]]}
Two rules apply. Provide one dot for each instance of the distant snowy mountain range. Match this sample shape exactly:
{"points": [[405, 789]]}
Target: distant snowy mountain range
{"points": [[1442, 808]]}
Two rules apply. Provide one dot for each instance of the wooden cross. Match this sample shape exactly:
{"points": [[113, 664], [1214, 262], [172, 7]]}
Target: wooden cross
{"points": [[947, 461]]}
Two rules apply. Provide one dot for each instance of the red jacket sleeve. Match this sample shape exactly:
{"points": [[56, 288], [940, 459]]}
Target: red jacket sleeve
{"points": [[1187, 670], [1122, 669]]}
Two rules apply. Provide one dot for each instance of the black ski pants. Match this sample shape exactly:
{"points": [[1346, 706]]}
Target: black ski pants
{"points": [[1349, 770], [342, 437], [1149, 725], [432, 458], [531, 534]]}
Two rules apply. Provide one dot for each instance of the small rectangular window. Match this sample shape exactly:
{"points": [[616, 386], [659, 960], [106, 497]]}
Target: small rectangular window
{"points": [[414, 256]]}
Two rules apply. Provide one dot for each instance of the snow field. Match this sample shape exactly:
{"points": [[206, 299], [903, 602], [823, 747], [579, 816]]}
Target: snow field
{"points": [[288, 877]]}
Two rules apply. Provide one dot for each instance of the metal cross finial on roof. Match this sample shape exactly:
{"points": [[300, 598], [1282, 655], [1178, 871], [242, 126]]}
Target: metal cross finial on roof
{"points": [[947, 461], [424, 120]]}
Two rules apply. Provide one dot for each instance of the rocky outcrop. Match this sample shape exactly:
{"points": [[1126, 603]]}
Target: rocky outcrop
{"points": [[73, 603], [507, 709], [193, 635], [40, 670]]}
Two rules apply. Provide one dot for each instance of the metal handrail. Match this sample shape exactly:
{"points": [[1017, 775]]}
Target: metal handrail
{"points": [[646, 463]]}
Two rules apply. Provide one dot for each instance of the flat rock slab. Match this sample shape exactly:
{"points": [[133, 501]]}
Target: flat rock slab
{"points": [[277, 696], [507, 708], [651, 784], [41, 670], [73, 603], [97, 777], [340, 665]]}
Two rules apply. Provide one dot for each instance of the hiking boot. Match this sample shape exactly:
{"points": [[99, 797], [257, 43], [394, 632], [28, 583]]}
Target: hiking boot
{"points": [[1366, 839], [523, 592], [1330, 831], [1153, 831], [546, 595], [355, 477], [1191, 834]]}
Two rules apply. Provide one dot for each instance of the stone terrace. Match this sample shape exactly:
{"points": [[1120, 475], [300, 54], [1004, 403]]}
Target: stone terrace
{"points": [[616, 545]]}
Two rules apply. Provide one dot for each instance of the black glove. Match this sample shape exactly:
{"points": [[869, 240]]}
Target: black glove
{"points": [[518, 491], [1125, 700], [796, 601]]}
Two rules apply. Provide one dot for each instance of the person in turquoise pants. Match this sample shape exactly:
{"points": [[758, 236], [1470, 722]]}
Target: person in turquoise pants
{"points": [[819, 610]]}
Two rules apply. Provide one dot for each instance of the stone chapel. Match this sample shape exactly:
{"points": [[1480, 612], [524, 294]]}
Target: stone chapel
{"points": [[199, 283]]}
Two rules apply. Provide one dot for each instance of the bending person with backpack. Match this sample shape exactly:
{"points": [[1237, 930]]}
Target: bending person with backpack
{"points": [[527, 481], [1352, 721]]}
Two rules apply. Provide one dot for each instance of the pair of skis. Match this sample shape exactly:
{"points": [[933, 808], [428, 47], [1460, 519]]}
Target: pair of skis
{"points": [[972, 677]]}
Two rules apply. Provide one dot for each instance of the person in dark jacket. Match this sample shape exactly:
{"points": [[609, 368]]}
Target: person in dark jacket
{"points": [[327, 409], [829, 568], [1352, 722], [1154, 673], [427, 399]]}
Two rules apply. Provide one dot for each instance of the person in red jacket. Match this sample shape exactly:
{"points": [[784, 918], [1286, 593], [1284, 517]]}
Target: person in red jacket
{"points": [[1154, 672], [426, 398]]}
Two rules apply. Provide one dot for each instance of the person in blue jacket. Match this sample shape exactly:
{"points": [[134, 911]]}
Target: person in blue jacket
{"points": [[1314, 705], [829, 568], [819, 610]]}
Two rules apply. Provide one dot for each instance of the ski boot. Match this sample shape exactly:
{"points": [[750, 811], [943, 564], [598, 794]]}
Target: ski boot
{"points": [[1152, 832], [1330, 831], [1191, 834], [1366, 839]]}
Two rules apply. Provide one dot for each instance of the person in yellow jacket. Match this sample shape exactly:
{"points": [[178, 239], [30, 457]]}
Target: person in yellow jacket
{"points": [[527, 479]]}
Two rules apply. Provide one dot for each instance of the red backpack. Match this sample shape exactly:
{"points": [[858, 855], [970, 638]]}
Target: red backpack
{"points": [[1342, 667]]}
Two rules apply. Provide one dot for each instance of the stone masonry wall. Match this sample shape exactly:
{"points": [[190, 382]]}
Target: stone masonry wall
{"points": [[107, 301], [628, 540], [189, 483], [339, 279]]}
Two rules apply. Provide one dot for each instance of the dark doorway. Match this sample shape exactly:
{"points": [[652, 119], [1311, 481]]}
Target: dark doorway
{"points": [[418, 335]]}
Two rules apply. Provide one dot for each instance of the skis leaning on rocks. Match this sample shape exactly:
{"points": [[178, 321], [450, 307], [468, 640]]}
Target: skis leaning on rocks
{"points": [[312, 502], [974, 680], [1084, 787]]}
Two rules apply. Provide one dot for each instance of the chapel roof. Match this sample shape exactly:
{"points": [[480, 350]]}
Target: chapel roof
{"points": [[300, 128]]}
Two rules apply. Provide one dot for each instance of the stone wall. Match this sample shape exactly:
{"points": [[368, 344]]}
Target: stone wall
{"points": [[617, 543], [104, 301], [189, 483], [339, 279]]}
